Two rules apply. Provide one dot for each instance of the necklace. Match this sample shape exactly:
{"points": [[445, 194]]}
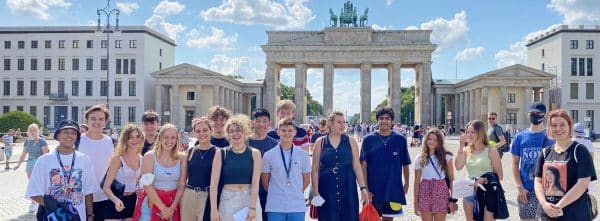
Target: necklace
{"points": [[384, 141], [238, 151], [203, 154]]}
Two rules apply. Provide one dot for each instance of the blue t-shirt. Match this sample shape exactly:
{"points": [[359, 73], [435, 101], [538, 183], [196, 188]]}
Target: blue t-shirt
{"points": [[263, 145], [528, 145], [219, 142], [385, 157]]}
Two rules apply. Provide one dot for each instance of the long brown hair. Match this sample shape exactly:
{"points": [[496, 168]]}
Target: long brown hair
{"points": [[480, 130], [124, 137], [440, 151]]}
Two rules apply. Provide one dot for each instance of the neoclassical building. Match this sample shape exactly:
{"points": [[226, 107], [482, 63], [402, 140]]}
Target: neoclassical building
{"points": [[185, 91], [507, 91]]}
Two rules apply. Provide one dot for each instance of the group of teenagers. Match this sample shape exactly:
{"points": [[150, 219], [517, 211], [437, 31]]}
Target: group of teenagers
{"points": [[243, 168]]}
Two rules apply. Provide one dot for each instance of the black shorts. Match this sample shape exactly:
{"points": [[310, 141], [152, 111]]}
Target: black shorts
{"points": [[99, 209], [128, 202], [384, 208]]}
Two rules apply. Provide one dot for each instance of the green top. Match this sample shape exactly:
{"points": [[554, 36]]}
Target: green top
{"points": [[478, 164]]}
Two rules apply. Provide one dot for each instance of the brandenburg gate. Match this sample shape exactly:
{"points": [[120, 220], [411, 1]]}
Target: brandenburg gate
{"points": [[351, 47]]}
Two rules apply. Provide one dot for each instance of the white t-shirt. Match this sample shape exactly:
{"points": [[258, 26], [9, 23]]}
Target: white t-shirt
{"points": [[100, 152], [47, 178], [428, 172]]}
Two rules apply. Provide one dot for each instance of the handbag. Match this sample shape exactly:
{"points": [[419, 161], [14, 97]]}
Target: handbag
{"points": [[594, 205], [54, 210], [116, 187], [313, 212]]}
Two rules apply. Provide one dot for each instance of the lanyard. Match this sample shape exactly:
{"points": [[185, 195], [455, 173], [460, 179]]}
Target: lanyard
{"points": [[62, 167], [287, 167]]}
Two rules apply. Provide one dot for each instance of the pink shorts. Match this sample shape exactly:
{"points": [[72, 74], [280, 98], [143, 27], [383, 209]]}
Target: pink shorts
{"points": [[433, 196]]}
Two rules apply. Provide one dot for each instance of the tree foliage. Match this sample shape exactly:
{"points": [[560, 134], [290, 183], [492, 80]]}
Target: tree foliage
{"points": [[17, 119], [313, 108], [407, 109]]}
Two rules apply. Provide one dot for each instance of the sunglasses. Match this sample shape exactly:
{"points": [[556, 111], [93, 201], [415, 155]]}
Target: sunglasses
{"points": [[491, 118]]}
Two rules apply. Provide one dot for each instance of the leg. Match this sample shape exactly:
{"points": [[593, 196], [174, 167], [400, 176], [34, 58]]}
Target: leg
{"points": [[426, 216], [439, 216], [387, 218], [468, 209], [488, 216]]}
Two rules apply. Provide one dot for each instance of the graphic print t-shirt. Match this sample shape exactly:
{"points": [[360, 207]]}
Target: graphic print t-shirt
{"points": [[47, 178], [527, 145]]}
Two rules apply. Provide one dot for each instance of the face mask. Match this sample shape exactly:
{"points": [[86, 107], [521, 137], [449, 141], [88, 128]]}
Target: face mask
{"points": [[536, 119]]}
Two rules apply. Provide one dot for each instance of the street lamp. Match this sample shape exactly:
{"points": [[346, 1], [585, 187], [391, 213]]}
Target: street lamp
{"points": [[107, 12]]}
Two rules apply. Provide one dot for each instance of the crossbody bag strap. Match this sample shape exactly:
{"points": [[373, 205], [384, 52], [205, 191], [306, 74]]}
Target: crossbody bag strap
{"points": [[434, 167]]}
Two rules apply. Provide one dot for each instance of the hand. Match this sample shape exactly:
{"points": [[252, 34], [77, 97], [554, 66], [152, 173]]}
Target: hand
{"points": [[416, 208], [462, 139], [550, 209], [166, 212], [453, 207], [17, 167], [365, 196], [251, 214], [214, 215], [405, 187], [119, 206], [522, 197]]}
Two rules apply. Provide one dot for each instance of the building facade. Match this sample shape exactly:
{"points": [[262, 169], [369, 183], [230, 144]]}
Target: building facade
{"points": [[570, 53], [56, 73]]}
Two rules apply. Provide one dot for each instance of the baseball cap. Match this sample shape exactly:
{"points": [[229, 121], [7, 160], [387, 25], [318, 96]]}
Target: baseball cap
{"points": [[67, 124], [579, 130], [537, 107]]}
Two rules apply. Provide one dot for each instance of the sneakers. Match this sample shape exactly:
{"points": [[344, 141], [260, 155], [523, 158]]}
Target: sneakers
{"points": [[7, 168], [33, 207]]}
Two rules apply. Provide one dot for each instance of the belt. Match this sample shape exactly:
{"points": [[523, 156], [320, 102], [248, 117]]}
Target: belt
{"points": [[334, 170], [197, 189]]}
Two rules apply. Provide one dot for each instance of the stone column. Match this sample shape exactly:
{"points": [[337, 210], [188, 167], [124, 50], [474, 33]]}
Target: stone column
{"points": [[461, 110], [240, 104], [215, 95], [231, 100], [365, 92], [468, 110], [158, 97], [455, 111], [271, 86], [300, 93], [200, 104], [546, 96], [222, 97], [477, 104], [328, 75], [502, 111], [526, 101], [258, 100], [438, 109], [484, 103], [394, 89], [175, 106], [424, 94], [536, 94]]}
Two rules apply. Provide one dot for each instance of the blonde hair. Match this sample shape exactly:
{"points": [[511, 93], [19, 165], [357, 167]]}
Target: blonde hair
{"points": [[124, 137], [158, 143], [34, 126], [480, 129], [240, 120], [285, 105], [331, 118]]}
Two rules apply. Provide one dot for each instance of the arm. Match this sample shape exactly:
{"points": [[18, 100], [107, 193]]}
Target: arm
{"points": [[113, 166], [575, 192], [214, 184], [148, 167], [461, 158], [89, 206], [305, 180], [255, 182], [500, 134], [516, 160], [356, 165], [416, 192], [496, 162], [181, 182], [40, 200], [316, 163], [21, 159], [264, 180], [45, 149], [406, 175]]}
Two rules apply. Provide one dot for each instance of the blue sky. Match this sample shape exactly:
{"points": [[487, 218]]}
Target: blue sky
{"points": [[479, 36]]}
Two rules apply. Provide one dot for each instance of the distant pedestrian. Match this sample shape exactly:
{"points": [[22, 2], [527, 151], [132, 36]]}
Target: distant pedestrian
{"points": [[33, 148], [495, 134], [8, 140]]}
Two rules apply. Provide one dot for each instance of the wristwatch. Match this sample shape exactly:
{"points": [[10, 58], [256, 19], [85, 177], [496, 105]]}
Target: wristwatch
{"points": [[452, 200]]}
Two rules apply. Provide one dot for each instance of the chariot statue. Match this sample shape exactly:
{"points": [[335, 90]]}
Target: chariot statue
{"points": [[348, 16]]}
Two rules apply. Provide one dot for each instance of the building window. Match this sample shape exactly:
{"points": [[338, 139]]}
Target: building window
{"points": [[574, 90], [6, 64], [89, 64], [48, 44], [33, 64], [589, 44], [573, 66], [132, 63], [75, 64], [117, 43], [125, 66], [190, 96], [20, 108], [103, 64], [6, 88], [132, 43], [47, 85], [589, 91], [103, 88], [574, 44], [74, 115], [132, 88], [89, 86], [6, 44], [47, 64], [160, 52], [75, 43], [33, 88], [575, 115], [46, 115], [103, 44], [20, 88], [590, 115], [159, 65], [20, 64], [34, 44], [74, 88], [33, 111], [543, 67], [131, 114], [89, 43], [511, 98], [543, 53], [61, 43], [117, 116], [61, 64], [6, 109], [581, 66], [21, 44], [118, 66], [118, 88], [589, 67]]}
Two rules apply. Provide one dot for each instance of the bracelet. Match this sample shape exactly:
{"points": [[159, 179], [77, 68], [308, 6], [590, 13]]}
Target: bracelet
{"points": [[452, 200], [252, 208], [363, 188], [90, 215]]}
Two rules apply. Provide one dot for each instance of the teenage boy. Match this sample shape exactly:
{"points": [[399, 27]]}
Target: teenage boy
{"points": [[287, 109], [150, 125], [8, 140], [219, 116], [526, 147], [385, 161], [286, 174], [261, 120], [496, 133], [99, 147], [65, 175], [321, 132]]}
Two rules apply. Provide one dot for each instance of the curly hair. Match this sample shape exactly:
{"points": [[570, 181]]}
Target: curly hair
{"points": [[218, 111], [124, 137], [240, 121]]}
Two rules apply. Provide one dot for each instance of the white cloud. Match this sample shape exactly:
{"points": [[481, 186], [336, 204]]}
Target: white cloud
{"points": [[377, 27], [226, 65], [293, 14], [166, 7], [217, 39], [446, 33], [127, 7], [469, 53], [577, 12], [389, 2], [36, 8], [517, 53]]}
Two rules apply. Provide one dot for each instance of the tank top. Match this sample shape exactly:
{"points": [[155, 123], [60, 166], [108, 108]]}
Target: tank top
{"points": [[200, 167], [165, 177], [128, 176], [478, 164], [237, 167]]}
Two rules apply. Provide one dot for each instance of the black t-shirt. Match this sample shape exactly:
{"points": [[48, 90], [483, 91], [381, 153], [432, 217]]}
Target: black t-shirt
{"points": [[147, 146], [219, 142], [316, 136]]}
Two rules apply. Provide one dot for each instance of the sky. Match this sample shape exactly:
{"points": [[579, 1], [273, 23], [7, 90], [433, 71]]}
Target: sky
{"points": [[473, 36]]}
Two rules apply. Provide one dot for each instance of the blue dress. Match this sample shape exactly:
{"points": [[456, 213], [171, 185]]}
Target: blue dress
{"points": [[337, 182]]}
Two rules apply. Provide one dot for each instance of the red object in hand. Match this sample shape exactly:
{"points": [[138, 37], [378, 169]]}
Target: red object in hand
{"points": [[369, 213]]}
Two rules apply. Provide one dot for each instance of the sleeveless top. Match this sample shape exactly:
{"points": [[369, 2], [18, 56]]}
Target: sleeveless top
{"points": [[478, 164], [166, 177], [237, 167], [128, 176], [200, 167]]}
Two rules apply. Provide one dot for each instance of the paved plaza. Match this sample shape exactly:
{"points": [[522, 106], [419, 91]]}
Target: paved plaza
{"points": [[13, 204]]}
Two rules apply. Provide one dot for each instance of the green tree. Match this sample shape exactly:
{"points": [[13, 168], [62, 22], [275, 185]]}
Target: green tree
{"points": [[407, 109], [17, 119], [313, 108]]}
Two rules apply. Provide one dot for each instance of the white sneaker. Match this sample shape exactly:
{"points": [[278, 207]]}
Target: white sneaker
{"points": [[33, 207]]}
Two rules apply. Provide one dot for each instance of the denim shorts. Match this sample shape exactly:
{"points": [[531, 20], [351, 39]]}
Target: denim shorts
{"points": [[470, 199], [8, 152]]}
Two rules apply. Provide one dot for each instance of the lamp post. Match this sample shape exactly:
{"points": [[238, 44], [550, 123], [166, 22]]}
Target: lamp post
{"points": [[107, 12]]}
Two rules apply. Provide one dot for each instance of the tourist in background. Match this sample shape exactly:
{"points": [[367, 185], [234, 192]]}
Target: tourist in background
{"points": [[219, 116], [33, 148], [319, 133], [286, 108], [495, 134], [84, 128], [8, 141], [151, 125], [124, 167]]}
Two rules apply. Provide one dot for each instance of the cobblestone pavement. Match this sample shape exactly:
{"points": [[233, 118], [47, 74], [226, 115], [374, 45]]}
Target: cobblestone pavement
{"points": [[13, 204]]}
